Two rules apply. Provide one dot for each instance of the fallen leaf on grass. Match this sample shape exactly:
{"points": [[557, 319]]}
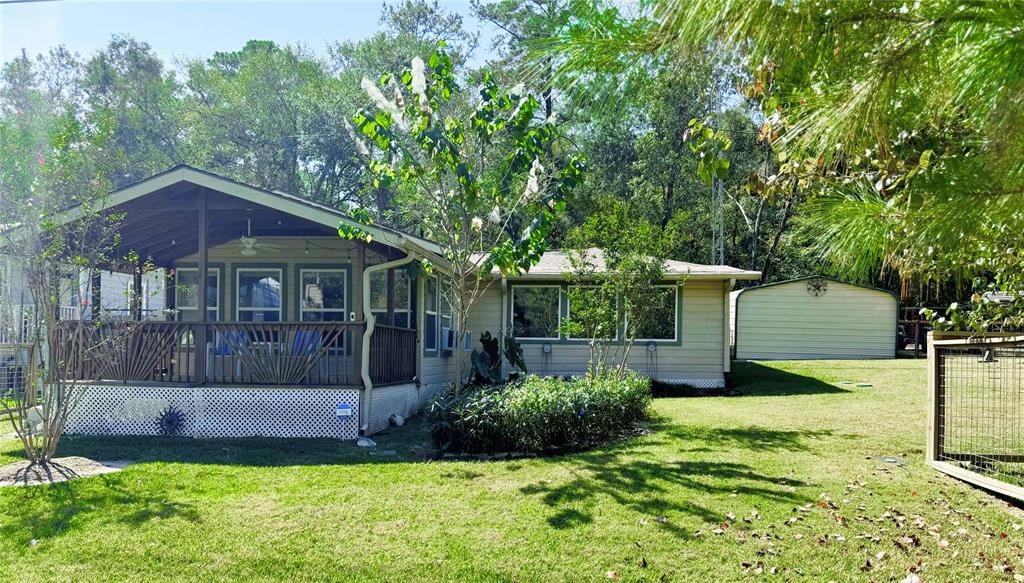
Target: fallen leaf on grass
{"points": [[905, 543], [612, 575]]}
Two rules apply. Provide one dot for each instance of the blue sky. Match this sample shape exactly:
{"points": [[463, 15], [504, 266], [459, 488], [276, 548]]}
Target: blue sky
{"points": [[183, 29]]}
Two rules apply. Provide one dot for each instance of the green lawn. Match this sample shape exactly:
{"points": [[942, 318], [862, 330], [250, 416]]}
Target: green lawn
{"points": [[790, 468]]}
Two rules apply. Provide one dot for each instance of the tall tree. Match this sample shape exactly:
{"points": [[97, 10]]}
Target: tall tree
{"points": [[128, 84], [273, 116], [485, 187]]}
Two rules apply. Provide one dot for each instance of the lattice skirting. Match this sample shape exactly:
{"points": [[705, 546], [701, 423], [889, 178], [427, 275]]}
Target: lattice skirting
{"points": [[696, 383], [216, 411]]}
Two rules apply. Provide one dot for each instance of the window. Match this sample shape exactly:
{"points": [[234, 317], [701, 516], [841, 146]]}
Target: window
{"points": [[186, 294], [259, 295], [445, 311], [430, 314], [401, 302], [403, 299], [594, 309], [535, 311], [658, 321], [324, 295]]}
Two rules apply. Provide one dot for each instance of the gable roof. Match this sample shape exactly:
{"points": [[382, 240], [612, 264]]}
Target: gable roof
{"points": [[280, 201], [556, 262], [810, 277]]}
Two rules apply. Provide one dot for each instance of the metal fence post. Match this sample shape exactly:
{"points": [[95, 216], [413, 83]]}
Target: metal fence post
{"points": [[933, 449]]}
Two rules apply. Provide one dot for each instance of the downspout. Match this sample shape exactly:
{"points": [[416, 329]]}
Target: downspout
{"points": [[503, 318], [364, 365], [726, 335]]}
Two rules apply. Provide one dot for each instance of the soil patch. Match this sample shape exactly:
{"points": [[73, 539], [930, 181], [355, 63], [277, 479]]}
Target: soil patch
{"points": [[59, 469]]}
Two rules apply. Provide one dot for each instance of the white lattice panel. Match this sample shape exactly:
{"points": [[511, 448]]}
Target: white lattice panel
{"points": [[696, 383], [216, 411]]}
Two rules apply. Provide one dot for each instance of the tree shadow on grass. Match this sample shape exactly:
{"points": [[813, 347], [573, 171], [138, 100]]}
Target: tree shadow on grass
{"points": [[705, 439], [44, 512], [625, 475], [759, 380], [654, 489]]}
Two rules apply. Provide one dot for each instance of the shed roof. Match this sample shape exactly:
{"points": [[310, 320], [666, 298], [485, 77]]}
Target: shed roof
{"points": [[746, 290]]}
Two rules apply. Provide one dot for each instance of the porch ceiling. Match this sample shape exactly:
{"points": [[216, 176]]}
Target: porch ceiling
{"points": [[163, 225]]}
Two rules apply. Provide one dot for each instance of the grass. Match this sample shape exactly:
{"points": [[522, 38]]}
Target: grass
{"points": [[796, 456]]}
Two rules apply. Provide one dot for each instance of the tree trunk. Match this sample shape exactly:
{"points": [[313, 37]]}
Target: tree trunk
{"points": [[756, 234], [786, 213]]}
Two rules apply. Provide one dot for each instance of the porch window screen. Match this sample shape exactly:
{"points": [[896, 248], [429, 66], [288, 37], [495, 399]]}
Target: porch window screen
{"points": [[324, 295], [430, 314], [259, 295], [401, 300], [659, 320], [186, 294], [535, 311]]}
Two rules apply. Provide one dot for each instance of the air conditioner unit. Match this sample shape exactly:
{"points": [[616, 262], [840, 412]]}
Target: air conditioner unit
{"points": [[448, 341]]}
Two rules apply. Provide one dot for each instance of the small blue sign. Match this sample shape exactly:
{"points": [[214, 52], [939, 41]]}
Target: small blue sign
{"points": [[344, 411]]}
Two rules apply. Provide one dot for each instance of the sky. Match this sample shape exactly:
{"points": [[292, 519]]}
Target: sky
{"points": [[189, 28]]}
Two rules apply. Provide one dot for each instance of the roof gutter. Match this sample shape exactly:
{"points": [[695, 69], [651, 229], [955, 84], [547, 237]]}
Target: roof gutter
{"points": [[371, 320]]}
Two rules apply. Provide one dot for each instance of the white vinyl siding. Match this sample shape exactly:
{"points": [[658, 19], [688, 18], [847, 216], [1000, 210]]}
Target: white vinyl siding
{"points": [[698, 357], [785, 322]]}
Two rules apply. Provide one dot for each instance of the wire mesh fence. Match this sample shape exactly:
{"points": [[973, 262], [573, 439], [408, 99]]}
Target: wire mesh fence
{"points": [[977, 412], [17, 376]]}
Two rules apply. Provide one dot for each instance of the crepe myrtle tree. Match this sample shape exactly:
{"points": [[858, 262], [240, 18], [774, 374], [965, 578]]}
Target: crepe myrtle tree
{"points": [[55, 165], [614, 294], [483, 181]]}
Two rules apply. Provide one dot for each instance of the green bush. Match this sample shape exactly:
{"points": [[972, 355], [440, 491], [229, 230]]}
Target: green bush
{"points": [[539, 413]]}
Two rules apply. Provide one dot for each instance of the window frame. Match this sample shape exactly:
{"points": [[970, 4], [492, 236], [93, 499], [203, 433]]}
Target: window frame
{"points": [[675, 317], [218, 293], [238, 289], [344, 310], [512, 314], [428, 312]]}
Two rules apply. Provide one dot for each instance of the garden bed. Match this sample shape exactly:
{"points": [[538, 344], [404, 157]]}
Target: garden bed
{"points": [[539, 414]]}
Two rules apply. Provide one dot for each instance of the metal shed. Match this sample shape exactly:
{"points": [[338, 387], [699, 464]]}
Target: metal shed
{"points": [[813, 317]]}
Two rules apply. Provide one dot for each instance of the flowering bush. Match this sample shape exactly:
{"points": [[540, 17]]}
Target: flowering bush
{"points": [[539, 413]]}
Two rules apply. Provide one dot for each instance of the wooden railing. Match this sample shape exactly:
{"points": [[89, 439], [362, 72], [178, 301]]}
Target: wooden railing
{"points": [[392, 355], [301, 353]]}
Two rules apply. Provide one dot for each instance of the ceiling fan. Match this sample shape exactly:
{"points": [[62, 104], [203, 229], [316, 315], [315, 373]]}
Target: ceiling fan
{"points": [[250, 246]]}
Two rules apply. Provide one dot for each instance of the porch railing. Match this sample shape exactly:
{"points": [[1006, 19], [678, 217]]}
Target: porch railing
{"points": [[279, 353], [392, 355]]}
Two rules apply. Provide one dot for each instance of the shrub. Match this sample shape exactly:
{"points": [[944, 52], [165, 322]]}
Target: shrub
{"points": [[539, 413]]}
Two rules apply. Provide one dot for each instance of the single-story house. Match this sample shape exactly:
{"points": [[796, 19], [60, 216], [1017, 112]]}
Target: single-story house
{"points": [[813, 317], [304, 333]]}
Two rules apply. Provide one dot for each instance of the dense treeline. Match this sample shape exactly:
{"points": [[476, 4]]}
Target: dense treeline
{"points": [[280, 117]]}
